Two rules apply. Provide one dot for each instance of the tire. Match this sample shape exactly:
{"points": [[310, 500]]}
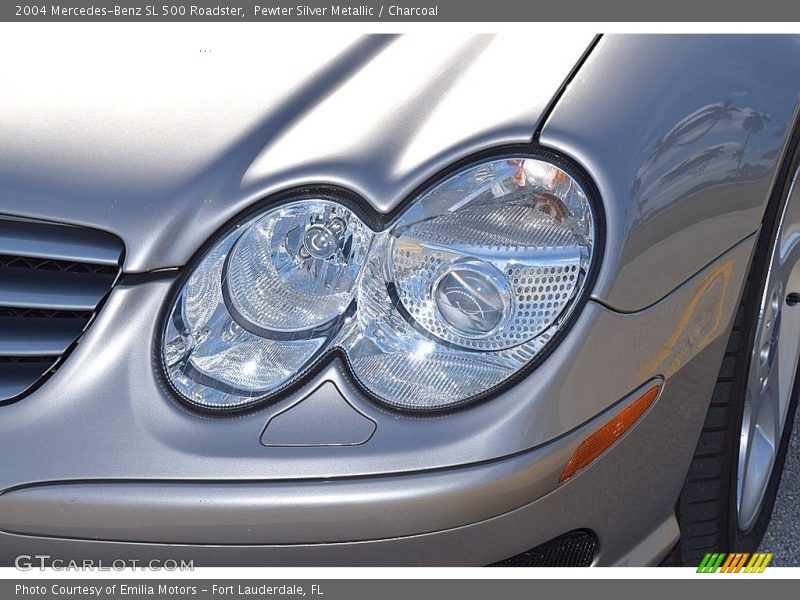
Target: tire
{"points": [[707, 508]]}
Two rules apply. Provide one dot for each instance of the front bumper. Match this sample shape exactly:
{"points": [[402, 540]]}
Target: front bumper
{"points": [[460, 512], [111, 497]]}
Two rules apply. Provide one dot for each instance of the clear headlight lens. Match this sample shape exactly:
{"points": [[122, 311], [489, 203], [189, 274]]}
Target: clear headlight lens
{"points": [[461, 292], [295, 268]]}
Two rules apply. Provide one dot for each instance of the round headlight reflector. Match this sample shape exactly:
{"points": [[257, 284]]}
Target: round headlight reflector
{"points": [[462, 291], [295, 268]]}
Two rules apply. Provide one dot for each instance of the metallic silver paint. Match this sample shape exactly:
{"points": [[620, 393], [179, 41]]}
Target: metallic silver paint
{"points": [[165, 170], [323, 418], [22, 237], [171, 143], [683, 135], [601, 497], [146, 433], [142, 441], [293, 512]]}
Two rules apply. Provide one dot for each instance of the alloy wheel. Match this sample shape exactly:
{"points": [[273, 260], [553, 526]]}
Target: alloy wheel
{"points": [[773, 365]]}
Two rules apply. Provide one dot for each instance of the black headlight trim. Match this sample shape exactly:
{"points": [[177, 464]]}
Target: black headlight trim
{"points": [[379, 222]]}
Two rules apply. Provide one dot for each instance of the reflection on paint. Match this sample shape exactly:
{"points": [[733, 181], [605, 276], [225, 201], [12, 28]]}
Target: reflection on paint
{"points": [[701, 322]]}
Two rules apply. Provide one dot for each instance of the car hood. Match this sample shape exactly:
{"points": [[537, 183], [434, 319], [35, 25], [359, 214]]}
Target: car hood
{"points": [[163, 139]]}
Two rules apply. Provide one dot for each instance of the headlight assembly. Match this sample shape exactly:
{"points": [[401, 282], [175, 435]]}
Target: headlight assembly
{"points": [[458, 294]]}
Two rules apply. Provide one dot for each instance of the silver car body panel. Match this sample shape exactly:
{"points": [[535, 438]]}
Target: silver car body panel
{"points": [[684, 136], [172, 143], [145, 433], [124, 471], [163, 158], [333, 510]]}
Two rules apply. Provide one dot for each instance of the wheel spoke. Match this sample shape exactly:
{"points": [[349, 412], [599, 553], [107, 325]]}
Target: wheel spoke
{"points": [[774, 405], [789, 254], [773, 364], [745, 450]]}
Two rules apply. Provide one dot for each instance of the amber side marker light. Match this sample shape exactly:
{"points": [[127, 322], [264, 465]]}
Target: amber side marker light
{"points": [[603, 438]]}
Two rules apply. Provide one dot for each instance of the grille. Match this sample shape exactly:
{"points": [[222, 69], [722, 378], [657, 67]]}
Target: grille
{"points": [[573, 549], [52, 280]]}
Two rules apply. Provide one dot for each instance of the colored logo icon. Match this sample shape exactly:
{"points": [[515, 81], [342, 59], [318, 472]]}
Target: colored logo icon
{"points": [[735, 563]]}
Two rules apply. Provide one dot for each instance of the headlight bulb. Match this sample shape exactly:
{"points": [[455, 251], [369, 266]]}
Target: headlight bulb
{"points": [[322, 241], [295, 268]]}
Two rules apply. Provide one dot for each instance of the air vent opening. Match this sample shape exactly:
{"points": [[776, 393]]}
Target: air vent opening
{"points": [[66, 266], [573, 549], [53, 279]]}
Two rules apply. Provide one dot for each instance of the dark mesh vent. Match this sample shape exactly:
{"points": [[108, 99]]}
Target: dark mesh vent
{"points": [[64, 266], [574, 549], [27, 359], [36, 313], [53, 278]]}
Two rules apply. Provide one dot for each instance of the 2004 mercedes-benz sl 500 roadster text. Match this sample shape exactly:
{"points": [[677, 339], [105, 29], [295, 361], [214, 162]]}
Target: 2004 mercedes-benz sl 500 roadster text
{"points": [[397, 300]]}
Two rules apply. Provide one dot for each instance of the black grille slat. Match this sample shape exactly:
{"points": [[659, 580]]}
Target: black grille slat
{"points": [[573, 549], [52, 279], [52, 290]]}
